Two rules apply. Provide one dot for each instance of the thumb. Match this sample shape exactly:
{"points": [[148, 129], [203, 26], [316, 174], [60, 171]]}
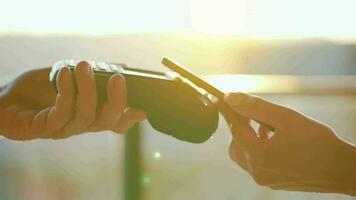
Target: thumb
{"points": [[256, 108]]}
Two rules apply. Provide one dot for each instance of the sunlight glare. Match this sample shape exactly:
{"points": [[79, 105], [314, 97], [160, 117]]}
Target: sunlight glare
{"points": [[220, 17], [254, 83], [243, 18]]}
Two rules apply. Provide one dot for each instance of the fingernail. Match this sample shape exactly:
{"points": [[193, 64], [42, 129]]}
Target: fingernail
{"points": [[117, 80], [233, 99], [90, 70], [64, 77], [66, 72], [85, 67], [83, 63]]}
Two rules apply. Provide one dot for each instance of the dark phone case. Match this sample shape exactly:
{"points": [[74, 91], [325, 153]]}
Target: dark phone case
{"points": [[173, 107]]}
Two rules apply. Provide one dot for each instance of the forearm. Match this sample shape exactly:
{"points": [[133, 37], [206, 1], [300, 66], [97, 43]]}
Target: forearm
{"points": [[343, 169], [351, 181]]}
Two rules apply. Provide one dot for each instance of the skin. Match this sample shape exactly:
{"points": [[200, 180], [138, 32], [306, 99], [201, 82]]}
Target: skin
{"points": [[301, 155], [30, 108]]}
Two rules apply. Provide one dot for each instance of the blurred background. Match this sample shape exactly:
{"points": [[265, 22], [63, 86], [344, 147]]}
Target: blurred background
{"points": [[301, 54]]}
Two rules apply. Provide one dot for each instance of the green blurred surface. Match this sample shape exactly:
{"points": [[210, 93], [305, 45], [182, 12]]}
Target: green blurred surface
{"points": [[132, 163]]}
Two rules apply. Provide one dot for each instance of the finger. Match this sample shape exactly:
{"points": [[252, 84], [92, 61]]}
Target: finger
{"points": [[117, 91], [239, 126], [115, 106], [129, 118], [263, 132], [61, 113], [237, 155], [85, 108], [50, 120], [259, 109]]}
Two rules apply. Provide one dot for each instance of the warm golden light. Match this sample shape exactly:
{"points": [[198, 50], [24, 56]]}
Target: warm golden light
{"points": [[261, 19], [226, 17], [90, 17], [250, 83], [283, 83]]}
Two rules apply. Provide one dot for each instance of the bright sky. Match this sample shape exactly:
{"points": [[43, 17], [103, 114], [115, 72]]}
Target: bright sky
{"points": [[253, 18]]}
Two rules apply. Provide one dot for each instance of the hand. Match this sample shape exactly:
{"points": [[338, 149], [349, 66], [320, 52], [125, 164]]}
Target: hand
{"points": [[301, 155], [30, 107]]}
